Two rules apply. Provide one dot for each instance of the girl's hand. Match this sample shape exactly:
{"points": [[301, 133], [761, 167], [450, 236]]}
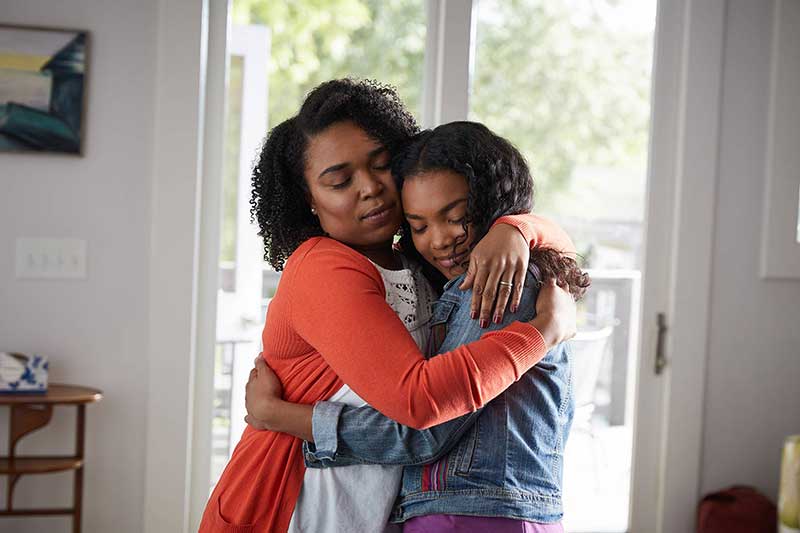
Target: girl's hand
{"points": [[266, 410], [255, 423], [501, 256], [555, 314], [262, 393]]}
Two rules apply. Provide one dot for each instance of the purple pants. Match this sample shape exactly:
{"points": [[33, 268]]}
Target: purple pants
{"points": [[449, 523]]}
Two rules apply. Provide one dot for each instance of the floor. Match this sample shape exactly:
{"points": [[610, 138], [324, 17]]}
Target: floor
{"points": [[597, 479]]}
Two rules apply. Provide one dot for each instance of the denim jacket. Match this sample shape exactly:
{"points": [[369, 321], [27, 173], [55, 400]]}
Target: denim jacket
{"points": [[504, 460]]}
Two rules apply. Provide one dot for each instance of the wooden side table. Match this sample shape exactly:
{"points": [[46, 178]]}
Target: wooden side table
{"points": [[30, 412]]}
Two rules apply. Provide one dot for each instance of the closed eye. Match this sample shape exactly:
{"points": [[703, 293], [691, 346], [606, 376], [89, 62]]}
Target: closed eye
{"points": [[379, 159], [342, 184]]}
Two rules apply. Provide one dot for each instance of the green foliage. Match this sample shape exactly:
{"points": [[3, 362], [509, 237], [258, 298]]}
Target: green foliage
{"points": [[568, 88], [317, 40], [557, 77]]}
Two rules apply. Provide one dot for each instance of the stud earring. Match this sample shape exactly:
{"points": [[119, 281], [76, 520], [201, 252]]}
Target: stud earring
{"points": [[313, 211]]}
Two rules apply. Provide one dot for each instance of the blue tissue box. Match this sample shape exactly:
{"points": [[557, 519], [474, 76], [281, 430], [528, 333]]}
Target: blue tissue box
{"points": [[22, 373]]}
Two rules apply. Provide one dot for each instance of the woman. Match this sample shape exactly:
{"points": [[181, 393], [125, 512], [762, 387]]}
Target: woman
{"points": [[504, 474], [328, 209]]}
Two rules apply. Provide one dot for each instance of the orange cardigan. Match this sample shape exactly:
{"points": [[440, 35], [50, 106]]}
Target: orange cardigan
{"points": [[329, 324]]}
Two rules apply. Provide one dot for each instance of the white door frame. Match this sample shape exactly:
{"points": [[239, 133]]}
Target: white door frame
{"points": [[449, 53], [252, 44], [683, 176], [681, 194], [212, 148], [173, 261]]}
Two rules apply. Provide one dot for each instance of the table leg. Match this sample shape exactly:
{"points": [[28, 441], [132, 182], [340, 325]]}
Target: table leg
{"points": [[23, 419], [77, 490], [12, 480]]}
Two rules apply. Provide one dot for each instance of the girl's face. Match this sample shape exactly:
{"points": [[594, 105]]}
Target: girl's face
{"points": [[435, 204], [351, 187]]}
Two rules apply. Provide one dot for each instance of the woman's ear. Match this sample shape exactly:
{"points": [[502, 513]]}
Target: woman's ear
{"points": [[312, 205]]}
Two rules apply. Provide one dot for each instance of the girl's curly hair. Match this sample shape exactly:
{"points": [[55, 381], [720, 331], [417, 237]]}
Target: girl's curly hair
{"points": [[279, 201], [500, 183]]}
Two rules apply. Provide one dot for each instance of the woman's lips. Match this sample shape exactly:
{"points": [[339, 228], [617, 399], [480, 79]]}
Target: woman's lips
{"points": [[379, 217]]}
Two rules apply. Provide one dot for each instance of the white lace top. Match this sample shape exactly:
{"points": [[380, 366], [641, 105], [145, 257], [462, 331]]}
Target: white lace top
{"points": [[411, 296], [360, 497]]}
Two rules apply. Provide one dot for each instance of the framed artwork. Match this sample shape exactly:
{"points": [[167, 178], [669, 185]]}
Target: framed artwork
{"points": [[42, 89]]}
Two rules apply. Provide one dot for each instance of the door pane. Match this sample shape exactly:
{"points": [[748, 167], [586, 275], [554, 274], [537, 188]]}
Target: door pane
{"points": [[316, 41], [278, 51], [568, 81]]}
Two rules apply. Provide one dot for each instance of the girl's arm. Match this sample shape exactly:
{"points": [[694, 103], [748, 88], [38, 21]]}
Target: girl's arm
{"points": [[503, 255], [267, 410], [338, 437], [334, 432], [337, 305]]}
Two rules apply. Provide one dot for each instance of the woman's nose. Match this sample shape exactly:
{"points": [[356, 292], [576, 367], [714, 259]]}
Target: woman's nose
{"points": [[371, 185]]}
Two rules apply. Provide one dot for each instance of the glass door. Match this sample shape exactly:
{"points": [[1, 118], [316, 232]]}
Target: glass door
{"points": [[569, 83], [277, 52]]}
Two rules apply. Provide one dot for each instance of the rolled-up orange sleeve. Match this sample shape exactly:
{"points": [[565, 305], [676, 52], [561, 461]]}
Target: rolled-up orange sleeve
{"points": [[338, 307], [540, 231]]}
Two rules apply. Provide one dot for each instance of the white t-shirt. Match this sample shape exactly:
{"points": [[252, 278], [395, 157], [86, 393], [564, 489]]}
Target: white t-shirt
{"points": [[359, 498]]}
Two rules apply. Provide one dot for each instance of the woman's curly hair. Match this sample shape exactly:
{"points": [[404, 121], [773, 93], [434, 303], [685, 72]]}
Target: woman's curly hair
{"points": [[279, 201], [500, 183]]}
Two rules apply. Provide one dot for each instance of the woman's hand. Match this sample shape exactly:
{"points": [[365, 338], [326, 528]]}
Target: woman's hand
{"points": [[497, 267], [555, 314], [262, 393]]}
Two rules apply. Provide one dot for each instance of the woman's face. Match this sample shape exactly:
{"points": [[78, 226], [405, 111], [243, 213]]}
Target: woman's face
{"points": [[351, 187], [435, 204]]}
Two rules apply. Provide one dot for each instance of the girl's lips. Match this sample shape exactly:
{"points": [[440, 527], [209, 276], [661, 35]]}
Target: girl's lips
{"points": [[450, 262]]}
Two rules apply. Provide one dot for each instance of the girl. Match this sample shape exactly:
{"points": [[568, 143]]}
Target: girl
{"points": [[328, 209], [495, 470]]}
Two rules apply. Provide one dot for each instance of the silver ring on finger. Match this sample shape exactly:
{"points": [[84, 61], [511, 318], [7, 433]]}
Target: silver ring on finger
{"points": [[508, 284]]}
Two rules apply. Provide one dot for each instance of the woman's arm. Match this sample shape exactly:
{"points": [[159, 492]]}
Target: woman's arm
{"points": [[539, 231], [338, 307], [345, 435]]}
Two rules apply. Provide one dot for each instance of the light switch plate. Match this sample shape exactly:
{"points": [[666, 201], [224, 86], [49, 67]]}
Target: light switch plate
{"points": [[51, 258]]}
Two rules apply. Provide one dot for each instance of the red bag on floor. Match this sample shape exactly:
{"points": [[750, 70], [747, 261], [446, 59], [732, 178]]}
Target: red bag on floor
{"points": [[737, 510]]}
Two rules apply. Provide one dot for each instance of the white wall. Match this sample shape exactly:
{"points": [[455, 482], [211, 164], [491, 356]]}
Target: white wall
{"points": [[753, 377], [96, 330]]}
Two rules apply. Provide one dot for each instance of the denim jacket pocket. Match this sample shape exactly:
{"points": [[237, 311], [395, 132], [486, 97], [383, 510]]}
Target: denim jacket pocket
{"points": [[465, 453]]}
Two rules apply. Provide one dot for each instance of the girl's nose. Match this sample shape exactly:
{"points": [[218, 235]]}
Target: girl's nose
{"points": [[442, 238]]}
